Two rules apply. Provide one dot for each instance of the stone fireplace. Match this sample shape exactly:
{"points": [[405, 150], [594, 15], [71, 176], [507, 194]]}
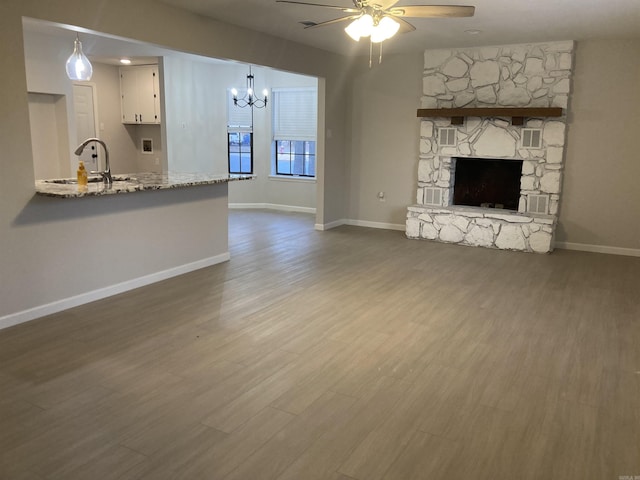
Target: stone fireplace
{"points": [[489, 151]]}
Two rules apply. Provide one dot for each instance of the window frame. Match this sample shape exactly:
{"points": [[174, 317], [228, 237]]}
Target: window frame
{"points": [[291, 155], [294, 120], [239, 122], [240, 132]]}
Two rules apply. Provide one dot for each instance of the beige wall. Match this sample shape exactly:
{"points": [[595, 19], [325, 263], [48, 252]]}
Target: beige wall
{"points": [[55, 249], [601, 198], [385, 133]]}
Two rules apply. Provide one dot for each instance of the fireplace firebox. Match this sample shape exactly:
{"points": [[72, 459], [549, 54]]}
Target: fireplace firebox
{"points": [[489, 183]]}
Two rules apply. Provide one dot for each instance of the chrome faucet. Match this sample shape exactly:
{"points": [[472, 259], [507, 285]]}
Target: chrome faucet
{"points": [[106, 174]]}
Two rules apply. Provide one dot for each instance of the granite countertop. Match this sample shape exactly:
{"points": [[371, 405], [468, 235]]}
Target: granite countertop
{"points": [[134, 182]]}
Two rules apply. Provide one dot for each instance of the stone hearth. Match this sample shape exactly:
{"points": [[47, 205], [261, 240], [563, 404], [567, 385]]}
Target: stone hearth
{"points": [[535, 75]]}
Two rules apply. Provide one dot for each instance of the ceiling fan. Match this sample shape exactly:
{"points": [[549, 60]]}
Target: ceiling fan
{"points": [[382, 19]]}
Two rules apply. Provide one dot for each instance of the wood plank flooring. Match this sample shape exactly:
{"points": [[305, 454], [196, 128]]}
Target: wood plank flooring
{"points": [[350, 354]]}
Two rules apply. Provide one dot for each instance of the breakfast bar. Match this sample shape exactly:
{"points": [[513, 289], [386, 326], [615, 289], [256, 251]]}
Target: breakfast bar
{"points": [[135, 182]]}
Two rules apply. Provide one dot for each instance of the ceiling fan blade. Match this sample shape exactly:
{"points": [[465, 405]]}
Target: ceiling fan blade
{"points": [[383, 4], [433, 11], [405, 27], [335, 7], [331, 22]]}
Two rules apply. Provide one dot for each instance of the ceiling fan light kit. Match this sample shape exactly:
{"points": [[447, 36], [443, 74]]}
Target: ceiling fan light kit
{"points": [[366, 26], [382, 19]]}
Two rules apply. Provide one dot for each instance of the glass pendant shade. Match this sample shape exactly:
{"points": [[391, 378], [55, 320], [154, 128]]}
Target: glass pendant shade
{"points": [[78, 65]]}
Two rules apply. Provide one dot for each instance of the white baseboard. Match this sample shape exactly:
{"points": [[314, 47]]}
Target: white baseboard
{"points": [[330, 225], [384, 226], [273, 206], [360, 223], [66, 303], [584, 247]]}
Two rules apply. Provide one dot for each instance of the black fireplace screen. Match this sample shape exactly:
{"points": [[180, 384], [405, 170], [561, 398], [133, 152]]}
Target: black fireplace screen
{"points": [[489, 183]]}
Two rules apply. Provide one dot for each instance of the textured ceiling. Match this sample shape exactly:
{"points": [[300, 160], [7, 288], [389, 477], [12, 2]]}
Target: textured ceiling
{"points": [[500, 22]]}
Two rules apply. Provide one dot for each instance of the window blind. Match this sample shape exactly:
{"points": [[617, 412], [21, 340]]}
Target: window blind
{"points": [[295, 114], [238, 119]]}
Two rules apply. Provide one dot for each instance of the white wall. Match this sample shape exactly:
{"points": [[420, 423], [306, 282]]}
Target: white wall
{"points": [[45, 60], [195, 114], [147, 162], [195, 118], [196, 123], [123, 151], [49, 135], [265, 189]]}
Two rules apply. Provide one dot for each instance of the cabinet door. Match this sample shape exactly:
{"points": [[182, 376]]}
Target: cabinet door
{"points": [[146, 94], [129, 94], [156, 93]]}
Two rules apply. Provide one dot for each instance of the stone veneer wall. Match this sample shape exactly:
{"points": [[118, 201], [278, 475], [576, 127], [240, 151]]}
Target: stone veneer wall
{"points": [[533, 75]]}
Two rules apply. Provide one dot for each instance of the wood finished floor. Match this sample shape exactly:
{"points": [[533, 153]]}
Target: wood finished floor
{"points": [[348, 354]]}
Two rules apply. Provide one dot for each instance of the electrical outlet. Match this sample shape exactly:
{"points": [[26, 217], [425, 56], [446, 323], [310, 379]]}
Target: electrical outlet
{"points": [[381, 197]]}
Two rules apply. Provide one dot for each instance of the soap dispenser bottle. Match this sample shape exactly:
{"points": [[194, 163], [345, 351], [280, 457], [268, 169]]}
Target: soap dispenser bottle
{"points": [[82, 176]]}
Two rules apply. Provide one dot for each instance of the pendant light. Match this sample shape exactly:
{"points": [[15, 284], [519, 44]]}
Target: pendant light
{"points": [[78, 65], [250, 99]]}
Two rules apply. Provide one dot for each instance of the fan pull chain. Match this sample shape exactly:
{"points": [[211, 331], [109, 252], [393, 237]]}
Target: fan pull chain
{"points": [[371, 53]]}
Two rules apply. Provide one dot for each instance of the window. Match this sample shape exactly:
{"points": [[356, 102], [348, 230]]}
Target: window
{"points": [[239, 137], [240, 152], [294, 131], [296, 157]]}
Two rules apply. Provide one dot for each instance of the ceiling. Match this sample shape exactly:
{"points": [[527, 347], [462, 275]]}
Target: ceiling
{"points": [[109, 49], [500, 22]]}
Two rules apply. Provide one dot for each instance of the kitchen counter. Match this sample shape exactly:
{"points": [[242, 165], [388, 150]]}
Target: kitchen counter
{"points": [[135, 182]]}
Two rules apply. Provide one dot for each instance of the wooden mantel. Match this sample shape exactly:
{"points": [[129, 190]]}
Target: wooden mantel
{"points": [[517, 114]]}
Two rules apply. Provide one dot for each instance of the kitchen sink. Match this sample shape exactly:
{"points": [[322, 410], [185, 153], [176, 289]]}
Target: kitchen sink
{"points": [[92, 179]]}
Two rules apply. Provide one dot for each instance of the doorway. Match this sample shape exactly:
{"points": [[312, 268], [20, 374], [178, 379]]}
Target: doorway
{"points": [[85, 106]]}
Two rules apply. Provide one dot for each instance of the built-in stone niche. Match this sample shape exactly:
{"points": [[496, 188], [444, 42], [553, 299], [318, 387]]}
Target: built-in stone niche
{"points": [[536, 75]]}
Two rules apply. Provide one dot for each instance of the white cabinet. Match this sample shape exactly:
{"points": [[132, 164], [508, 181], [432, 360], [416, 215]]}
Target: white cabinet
{"points": [[140, 93]]}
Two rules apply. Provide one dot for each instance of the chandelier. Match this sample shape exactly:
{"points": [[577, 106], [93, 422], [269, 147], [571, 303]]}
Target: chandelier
{"points": [[250, 99]]}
